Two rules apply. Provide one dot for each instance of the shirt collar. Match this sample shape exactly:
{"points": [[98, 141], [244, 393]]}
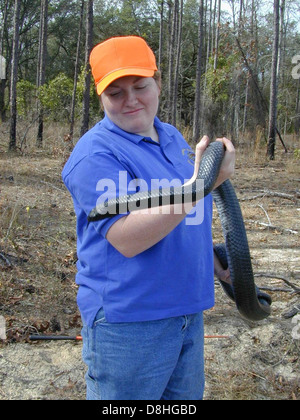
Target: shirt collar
{"points": [[111, 126], [164, 136], [162, 129]]}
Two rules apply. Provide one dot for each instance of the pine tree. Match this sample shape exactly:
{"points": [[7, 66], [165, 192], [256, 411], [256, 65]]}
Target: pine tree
{"points": [[14, 78]]}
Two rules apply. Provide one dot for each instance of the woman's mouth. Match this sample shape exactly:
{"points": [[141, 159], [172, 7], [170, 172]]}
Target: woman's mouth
{"points": [[133, 112]]}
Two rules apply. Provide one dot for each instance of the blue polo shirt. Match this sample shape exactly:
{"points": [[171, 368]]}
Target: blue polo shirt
{"points": [[174, 277]]}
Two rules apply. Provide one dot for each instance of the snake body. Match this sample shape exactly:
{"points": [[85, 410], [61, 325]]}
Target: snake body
{"points": [[250, 301]]}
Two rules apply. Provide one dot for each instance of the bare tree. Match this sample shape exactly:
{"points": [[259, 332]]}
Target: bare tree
{"points": [[281, 48], [161, 35], [3, 81], [177, 63], [14, 78], [88, 48], [274, 85], [197, 104], [217, 39], [72, 118], [172, 57], [42, 54]]}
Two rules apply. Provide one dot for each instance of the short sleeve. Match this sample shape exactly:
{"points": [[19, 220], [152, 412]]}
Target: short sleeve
{"points": [[100, 176]]}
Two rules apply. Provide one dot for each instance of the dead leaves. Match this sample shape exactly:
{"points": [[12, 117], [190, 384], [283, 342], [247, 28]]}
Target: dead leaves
{"points": [[17, 332]]}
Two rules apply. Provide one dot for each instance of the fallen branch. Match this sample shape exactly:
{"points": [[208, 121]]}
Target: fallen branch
{"points": [[294, 310], [279, 277], [269, 193], [11, 260], [275, 289], [278, 228], [272, 227], [267, 216], [5, 259]]}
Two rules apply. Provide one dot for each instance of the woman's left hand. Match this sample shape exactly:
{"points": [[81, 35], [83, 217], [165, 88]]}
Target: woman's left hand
{"points": [[220, 273]]}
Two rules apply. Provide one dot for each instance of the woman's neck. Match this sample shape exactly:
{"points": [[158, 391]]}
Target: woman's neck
{"points": [[152, 133]]}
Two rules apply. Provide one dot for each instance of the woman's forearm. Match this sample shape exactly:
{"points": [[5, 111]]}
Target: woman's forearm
{"points": [[140, 230]]}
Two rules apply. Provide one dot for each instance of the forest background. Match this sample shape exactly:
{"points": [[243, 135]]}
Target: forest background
{"points": [[229, 67]]}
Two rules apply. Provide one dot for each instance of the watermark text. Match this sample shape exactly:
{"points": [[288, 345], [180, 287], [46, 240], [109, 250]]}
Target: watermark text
{"points": [[158, 203], [296, 329], [296, 68], [2, 328]]}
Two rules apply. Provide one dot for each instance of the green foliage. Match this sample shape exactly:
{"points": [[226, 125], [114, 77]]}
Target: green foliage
{"points": [[94, 101], [80, 85], [26, 97], [297, 154], [218, 82], [56, 97]]}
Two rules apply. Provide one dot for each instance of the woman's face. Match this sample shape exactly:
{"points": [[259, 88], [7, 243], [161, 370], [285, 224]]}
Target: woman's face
{"points": [[131, 103]]}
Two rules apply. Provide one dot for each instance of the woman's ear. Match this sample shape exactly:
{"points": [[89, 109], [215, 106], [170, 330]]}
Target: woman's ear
{"points": [[157, 78], [101, 103]]}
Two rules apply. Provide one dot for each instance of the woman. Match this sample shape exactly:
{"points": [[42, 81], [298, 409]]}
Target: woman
{"points": [[146, 277]]}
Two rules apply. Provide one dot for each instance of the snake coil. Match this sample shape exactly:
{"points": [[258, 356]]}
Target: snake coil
{"points": [[250, 301]]}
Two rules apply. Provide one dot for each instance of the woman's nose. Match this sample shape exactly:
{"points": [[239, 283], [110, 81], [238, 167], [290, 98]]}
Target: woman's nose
{"points": [[131, 98]]}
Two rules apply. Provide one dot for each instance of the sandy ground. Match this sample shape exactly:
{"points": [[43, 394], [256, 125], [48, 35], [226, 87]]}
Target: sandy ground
{"points": [[256, 361], [38, 295]]}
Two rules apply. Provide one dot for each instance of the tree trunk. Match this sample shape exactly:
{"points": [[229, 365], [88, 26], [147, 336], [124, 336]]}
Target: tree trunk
{"points": [[3, 81], [72, 118], [14, 78], [161, 35], [177, 64], [214, 27], [241, 18], [273, 89], [87, 85], [217, 37], [281, 52], [42, 67], [297, 119], [172, 54], [161, 46], [197, 104], [246, 104], [208, 51]]}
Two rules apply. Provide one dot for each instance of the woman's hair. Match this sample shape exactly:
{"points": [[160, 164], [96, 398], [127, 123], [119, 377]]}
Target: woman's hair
{"points": [[157, 78]]}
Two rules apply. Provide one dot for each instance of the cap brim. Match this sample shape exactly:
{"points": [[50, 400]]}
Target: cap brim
{"points": [[103, 84]]}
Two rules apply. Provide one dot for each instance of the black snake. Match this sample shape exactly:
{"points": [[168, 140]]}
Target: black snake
{"points": [[252, 304]]}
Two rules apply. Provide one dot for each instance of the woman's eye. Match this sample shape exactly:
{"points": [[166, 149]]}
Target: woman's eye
{"points": [[113, 94]]}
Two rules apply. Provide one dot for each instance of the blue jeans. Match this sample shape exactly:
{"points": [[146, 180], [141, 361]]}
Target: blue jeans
{"points": [[152, 360]]}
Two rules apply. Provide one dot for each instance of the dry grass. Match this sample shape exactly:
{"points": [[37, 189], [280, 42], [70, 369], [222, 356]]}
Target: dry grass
{"points": [[38, 241], [37, 236]]}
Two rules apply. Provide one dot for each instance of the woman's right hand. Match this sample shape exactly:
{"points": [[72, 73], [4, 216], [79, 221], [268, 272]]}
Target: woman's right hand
{"points": [[200, 149]]}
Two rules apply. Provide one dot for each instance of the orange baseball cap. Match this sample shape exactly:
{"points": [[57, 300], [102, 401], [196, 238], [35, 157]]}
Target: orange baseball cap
{"points": [[121, 56]]}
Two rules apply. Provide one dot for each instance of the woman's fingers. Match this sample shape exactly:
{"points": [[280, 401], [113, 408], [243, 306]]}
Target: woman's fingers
{"points": [[228, 165], [200, 149]]}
